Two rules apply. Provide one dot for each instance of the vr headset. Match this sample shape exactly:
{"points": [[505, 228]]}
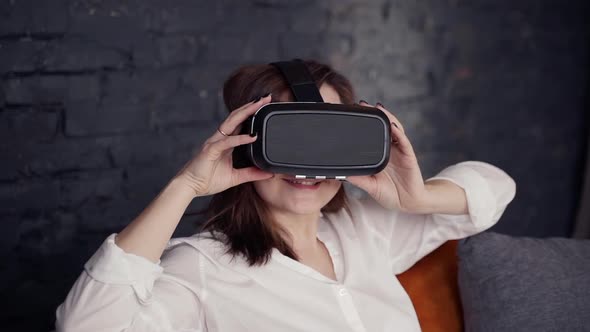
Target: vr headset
{"points": [[312, 139]]}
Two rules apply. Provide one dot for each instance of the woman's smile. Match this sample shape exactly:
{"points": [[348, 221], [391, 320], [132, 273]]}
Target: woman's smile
{"points": [[304, 184]]}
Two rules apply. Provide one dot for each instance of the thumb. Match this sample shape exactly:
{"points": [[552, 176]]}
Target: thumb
{"points": [[252, 174]]}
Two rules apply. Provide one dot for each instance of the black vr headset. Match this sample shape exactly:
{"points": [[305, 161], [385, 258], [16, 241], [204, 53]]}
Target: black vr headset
{"points": [[312, 139]]}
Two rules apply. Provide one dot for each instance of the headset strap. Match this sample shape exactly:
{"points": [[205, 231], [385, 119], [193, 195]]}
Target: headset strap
{"points": [[300, 80]]}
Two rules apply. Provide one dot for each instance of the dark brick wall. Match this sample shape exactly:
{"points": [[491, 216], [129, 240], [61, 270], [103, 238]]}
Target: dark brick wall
{"points": [[102, 101]]}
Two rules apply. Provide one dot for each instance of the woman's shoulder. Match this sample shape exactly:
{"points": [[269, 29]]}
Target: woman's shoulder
{"points": [[192, 248], [200, 256]]}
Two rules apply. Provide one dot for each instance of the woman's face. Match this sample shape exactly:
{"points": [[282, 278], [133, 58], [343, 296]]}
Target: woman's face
{"points": [[286, 198]]}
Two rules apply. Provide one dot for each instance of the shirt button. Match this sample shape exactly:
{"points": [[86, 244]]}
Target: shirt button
{"points": [[343, 292]]}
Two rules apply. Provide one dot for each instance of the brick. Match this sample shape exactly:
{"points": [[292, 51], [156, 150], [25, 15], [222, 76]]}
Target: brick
{"points": [[91, 119], [314, 46], [352, 15], [240, 49], [107, 214], [51, 89], [309, 19], [186, 108], [179, 49], [129, 106], [15, 17], [20, 56], [80, 187], [110, 23], [146, 53], [9, 236], [205, 77], [396, 88], [184, 16], [79, 55], [30, 194], [175, 146], [284, 4], [45, 158], [33, 17], [275, 22], [42, 234], [28, 125], [547, 159], [301, 45], [143, 184], [50, 16], [140, 149], [147, 87]]}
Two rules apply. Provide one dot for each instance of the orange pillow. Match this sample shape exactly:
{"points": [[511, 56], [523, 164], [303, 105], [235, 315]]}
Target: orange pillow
{"points": [[432, 286]]}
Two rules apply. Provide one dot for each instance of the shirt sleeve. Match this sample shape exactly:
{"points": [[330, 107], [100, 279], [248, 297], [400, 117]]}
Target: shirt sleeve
{"points": [[409, 237], [118, 291]]}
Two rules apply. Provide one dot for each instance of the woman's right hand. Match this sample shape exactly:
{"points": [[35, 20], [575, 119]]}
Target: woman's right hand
{"points": [[211, 170]]}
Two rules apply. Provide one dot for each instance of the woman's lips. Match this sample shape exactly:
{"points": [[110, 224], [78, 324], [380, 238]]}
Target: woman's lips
{"points": [[303, 186]]}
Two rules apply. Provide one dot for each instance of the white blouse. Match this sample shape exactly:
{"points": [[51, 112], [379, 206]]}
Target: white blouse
{"points": [[195, 287]]}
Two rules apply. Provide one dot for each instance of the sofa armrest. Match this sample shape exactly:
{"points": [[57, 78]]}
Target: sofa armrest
{"points": [[432, 286]]}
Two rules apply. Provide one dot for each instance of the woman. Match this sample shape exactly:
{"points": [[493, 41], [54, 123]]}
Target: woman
{"points": [[280, 254]]}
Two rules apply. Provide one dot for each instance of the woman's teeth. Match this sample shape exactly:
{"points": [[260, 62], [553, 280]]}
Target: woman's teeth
{"points": [[303, 182]]}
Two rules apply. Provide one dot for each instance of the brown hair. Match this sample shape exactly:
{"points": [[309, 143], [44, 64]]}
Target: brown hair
{"points": [[239, 214]]}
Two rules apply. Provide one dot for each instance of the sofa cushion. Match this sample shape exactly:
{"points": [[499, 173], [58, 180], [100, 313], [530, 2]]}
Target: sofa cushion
{"points": [[432, 286], [524, 284]]}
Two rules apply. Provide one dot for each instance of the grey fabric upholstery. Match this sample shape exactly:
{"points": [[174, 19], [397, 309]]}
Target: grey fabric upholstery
{"points": [[524, 284]]}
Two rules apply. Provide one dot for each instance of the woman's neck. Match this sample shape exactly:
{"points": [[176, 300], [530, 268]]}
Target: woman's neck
{"points": [[301, 227]]}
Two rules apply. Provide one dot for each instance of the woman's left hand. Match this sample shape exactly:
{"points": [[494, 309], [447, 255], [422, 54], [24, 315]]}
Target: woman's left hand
{"points": [[400, 185]]}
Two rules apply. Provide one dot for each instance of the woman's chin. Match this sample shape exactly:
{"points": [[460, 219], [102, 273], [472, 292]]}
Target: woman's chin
{"points": [[303, 209]]}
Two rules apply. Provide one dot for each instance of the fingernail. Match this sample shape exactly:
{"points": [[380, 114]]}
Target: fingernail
{"points": [[257, 99], [253, 135], [380, 105], [266, 95], [362, 101]]}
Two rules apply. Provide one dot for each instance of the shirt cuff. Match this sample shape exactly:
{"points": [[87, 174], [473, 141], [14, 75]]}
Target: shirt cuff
{"points": [[481, 200], [111, 265]]}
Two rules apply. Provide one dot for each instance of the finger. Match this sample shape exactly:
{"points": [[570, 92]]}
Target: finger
{"points": [[239, 115], [364, 103], [391, 117], [401, 141], [216, 149], [249, 174]]}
